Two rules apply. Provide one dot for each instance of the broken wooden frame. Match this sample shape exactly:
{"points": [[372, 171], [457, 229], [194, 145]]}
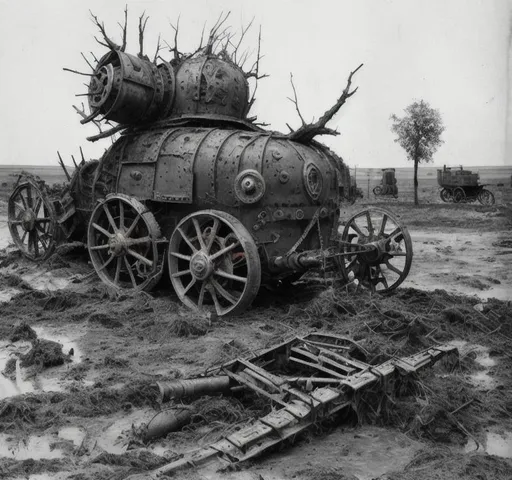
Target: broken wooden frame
{"points": [[306, 379]]}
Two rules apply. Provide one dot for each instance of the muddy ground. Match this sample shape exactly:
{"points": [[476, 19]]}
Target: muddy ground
{"points": [[76, 412]]}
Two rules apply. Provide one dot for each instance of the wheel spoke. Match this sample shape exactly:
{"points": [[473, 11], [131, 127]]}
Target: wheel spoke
{"points": [[29, 196], [140, 257], [219, 288], [43, 220], [101, 229], [371, 230], [100, 247], [383, 225], [230, 276], [200, 238], [107, 263], [138, 241], [213, 234], [181, 273], [393, 268], [21, 207], [132, 226], [38, 205], [110, 218], [181, 256], [213, 293], [354, 225], [224, 250], [200, 299], [35, 243], [121, 215], [118, 269], [187, 240], [132, 278], [190, 285]]}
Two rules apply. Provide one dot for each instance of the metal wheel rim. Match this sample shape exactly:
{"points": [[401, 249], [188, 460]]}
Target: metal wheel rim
{"points": [[445, 195], [214, 263], [486, 197], [459, 195], [395, 250], [32, 221], [123, 243]]}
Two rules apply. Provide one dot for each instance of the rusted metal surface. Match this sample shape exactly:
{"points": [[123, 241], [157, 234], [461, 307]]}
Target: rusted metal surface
{"points": [[187, 150], [195, 387], [167, 421], [306, 379]]}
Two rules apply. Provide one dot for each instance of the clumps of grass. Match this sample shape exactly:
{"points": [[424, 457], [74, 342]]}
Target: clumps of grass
{"points": [[43, 354], [188, 326], [22, 332], [139, 459], [114, 362]]}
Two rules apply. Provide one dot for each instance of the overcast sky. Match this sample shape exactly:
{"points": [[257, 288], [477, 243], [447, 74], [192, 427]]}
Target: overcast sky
{"points": [[451, 53]]}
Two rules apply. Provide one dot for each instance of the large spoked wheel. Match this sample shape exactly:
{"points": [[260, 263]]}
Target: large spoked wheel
{"points": [[214, 263], [485, 197], [445, 195], [459, 195], [32, 221], [124, 243], [381, 247]]}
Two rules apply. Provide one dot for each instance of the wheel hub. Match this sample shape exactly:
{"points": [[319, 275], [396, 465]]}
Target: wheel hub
{"points": [[117, 244], [28, 220], [201, 266]]}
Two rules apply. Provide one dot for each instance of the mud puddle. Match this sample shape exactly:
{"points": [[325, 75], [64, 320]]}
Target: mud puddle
{"points": [[482, 379], [34, 447], [499, 444], [461, 262]]}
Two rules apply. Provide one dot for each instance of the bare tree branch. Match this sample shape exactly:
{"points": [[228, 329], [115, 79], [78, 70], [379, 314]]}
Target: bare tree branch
{"points": [[175, 48], [295, 101], [77, 72], [142, 28], [106, 134], [158, 48], [307, 132], [214, 35], [242, 35], [109, 43], [87, 61]]}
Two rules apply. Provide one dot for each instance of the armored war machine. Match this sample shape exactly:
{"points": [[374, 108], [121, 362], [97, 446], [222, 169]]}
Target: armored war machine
{"points": [[460, 186], [387, 184], [194, 189]]}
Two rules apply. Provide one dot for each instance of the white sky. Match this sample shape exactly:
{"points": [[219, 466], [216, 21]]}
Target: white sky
{"points": [[451, 53]]}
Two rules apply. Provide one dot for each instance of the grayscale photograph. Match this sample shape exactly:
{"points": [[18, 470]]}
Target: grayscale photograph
{"points": [[256, 240]]}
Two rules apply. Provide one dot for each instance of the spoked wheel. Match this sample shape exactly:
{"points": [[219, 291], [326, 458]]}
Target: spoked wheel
{"points": [[32, 220], [124, 243], [377, 190], [445, 195], [214, 263], [459, 195], [382, 250], [485, 197]]}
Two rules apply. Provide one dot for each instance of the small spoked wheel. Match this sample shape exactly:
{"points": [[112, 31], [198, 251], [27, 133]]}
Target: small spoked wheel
{"points": [[485, 197], [376, 250], [377, 190], [445, 195], [459, 195], [214, 263], [32, 221], [124, 241]]}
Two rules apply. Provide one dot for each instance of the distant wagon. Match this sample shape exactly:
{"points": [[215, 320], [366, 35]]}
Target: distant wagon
{"points": [[388, 183], [459, 185]]}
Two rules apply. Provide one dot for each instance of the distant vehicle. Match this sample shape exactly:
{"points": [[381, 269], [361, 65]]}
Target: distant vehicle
{"points": [[388, 183], [461, 186]]}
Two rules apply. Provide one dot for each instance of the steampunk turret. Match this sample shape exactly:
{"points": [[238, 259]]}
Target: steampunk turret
{"points": [[195, 186]]}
